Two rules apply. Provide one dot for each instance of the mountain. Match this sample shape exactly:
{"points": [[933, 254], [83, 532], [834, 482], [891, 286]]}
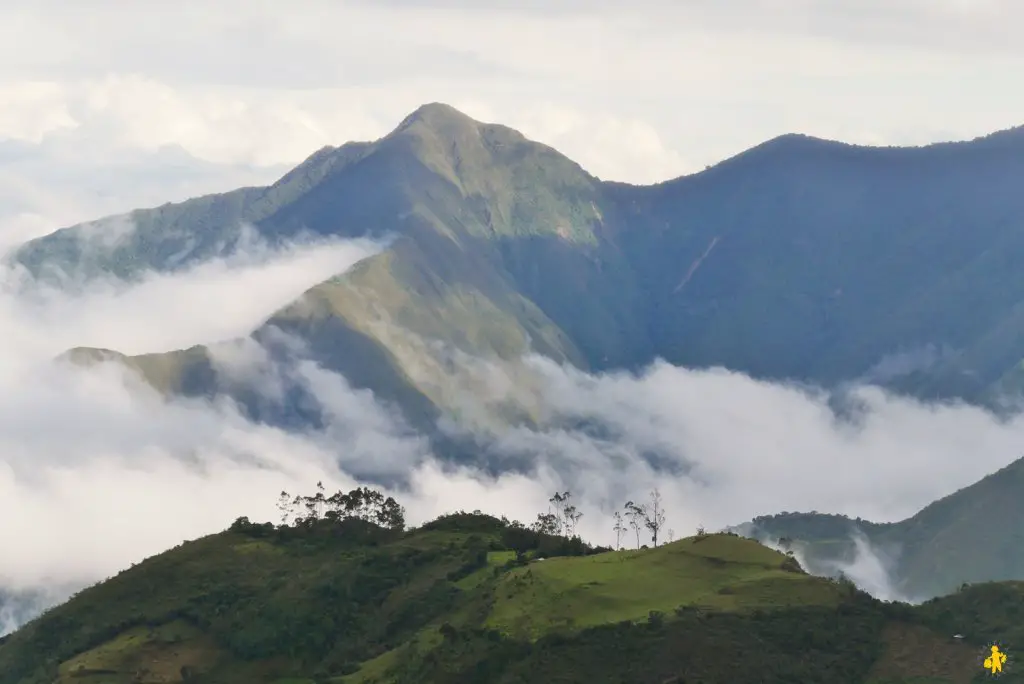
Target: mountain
{"points": [[468, 598], [969, 536], [799, 259]]}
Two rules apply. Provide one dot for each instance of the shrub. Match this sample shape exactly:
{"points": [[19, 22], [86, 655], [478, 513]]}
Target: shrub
{"points": [[791, 564]]}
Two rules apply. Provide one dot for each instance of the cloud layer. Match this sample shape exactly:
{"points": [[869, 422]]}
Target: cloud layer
{"points": [[97, 472], [636, 94]]}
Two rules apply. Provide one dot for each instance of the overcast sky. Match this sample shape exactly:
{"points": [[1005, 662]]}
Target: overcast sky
{"points": [[639, 91]]}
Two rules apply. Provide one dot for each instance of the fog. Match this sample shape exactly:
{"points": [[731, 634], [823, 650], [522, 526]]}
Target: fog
{"points": [[98, 472]]}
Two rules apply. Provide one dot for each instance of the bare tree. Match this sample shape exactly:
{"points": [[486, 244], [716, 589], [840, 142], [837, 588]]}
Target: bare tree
{"points": [[319, 500], [619, 529], [560, 500], [654, 515], [314, 505], [671, 536], [286, 506], [636, 515], [567, 514], [572, 518]]}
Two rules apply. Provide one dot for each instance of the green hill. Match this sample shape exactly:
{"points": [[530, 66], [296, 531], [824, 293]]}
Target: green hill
{"points": [[800, 258], [470, 598], [969, 536]]}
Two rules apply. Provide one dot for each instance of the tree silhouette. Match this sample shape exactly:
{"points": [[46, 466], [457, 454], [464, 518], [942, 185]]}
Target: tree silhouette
{"points": [[654, 515], [362, 503], [636, 515], [619, 529]]}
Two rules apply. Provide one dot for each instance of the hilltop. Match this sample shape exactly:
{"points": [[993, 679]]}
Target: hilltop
{"points": [[799, 259], [351, 597]]}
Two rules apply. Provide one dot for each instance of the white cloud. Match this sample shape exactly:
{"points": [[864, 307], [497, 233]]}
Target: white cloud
{"points": [[217, 300], [633, 94], [757, 447], [96, 471], [96, 474], [68, 179], [39, 109]]}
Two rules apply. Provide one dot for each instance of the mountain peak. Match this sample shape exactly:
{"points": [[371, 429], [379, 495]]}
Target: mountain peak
{"points": [[438, 116]]}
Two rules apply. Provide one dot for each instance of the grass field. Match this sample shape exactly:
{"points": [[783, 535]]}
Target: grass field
{"points": [[717, 571]]}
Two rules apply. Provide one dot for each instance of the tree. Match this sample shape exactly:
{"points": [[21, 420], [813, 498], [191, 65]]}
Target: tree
{"points": [[619, 529], [315, 504], [654, 515], [362, 503], [567, 515], [366, 504], [671, 536], [285, 505], [636, 515], [560, 500], [571, 519], [547, 523]]}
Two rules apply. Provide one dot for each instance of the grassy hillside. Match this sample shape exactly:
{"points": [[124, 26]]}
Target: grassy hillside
{"points": [[470, 598], [957, 539]]}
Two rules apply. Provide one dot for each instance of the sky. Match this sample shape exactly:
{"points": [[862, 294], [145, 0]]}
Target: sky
{"points": [[111, 105], [116, 105]]}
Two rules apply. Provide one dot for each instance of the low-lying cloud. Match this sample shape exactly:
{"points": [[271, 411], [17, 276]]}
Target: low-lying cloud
{"points": [[870, 568], [97, 472], [217, 299]]}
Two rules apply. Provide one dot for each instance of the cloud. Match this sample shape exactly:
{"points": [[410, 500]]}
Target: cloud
{"points": [[657, 89], [80, 176], [724, 448], [97, 472], [870, 568], [18, 607], [217, 300]]}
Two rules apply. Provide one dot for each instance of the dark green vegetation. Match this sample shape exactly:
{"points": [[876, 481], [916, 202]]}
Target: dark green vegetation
{"points": [[800, 258], [337, 597], [969, 536]]}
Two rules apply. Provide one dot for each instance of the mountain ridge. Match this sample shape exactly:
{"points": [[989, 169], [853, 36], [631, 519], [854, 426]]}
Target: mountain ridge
{"points": [[780, 263]]}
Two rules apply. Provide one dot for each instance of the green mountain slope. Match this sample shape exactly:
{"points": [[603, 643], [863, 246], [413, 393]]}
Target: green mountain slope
{"points": [[466, 598], [449, 188], [969, 536]]}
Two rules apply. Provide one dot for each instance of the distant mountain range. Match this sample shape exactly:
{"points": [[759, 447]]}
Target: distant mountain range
{"points": [[799, 259]]}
